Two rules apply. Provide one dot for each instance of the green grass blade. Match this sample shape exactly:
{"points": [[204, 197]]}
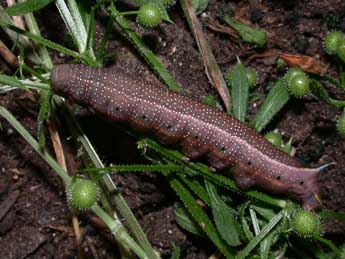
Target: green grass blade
{"points": [[223, 217], [258, 238], [332, 215], [176, 254], [43, 41], [199, 215], [42, 115], [274, 102], [186, 221], [239, 92], [197, 188], [27, 7], [133, 168], [247, 33], [11, 81]]}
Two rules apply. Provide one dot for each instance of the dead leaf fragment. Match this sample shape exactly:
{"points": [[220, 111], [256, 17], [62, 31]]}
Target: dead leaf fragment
{"points": [[307, 63]]}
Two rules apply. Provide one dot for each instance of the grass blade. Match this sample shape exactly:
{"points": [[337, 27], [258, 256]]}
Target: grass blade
{"points": [[27, 7], [43, 41], [274, 102], [239, 92], [185, 220], [258, 238], [11, 81], [223, 217], [199, 215]]}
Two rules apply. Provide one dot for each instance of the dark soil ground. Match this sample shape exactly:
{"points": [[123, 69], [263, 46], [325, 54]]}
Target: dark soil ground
{"points": [[35, 221]]}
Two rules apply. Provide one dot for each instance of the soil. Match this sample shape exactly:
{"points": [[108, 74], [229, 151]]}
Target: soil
{"points": [[35, 221]]}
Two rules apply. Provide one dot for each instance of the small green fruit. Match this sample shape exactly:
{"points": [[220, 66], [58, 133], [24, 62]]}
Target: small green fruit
{"points": [[299, 85], [341, 50], [82, 194], [332, 41], [149, 15], [341, 125], [251, 77], [306, 223], [274, 138], [292, 72]]}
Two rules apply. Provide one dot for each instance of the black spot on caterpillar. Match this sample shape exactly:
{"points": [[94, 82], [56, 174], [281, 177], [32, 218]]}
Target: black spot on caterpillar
{"points": [[201, 130]]}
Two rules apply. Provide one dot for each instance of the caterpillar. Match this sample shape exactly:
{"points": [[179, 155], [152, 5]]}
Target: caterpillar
{"points": [[200, 129]]}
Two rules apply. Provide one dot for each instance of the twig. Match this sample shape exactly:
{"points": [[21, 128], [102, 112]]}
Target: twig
{"points": [[8, 56], [17, 20], [211, 67], [60, 157]]}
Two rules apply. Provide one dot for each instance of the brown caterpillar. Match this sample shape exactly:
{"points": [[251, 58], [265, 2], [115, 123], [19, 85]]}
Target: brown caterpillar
{"points": [[201, 130]]}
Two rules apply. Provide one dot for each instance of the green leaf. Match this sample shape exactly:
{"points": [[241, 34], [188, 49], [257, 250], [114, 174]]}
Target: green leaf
{"points": [[27, 7], [43, 41], [332, 214], [197, 188], [43, 114], [247, 33], [274, 102], [239, 92], [185, 220], [199, 6], [263, 233], [11, 81], [132, 168], [318, 91], [223, 217], [199, 215], [176, 254], [267, 213]]}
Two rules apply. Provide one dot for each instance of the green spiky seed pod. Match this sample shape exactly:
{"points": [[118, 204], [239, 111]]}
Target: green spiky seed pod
{"points": [[82, 194], [149, 15], [341, 50], [306, 224], [292, 72], [251, 77], [299, 85], [274, 138], [332, 41], [168, 3], [341, 125]]}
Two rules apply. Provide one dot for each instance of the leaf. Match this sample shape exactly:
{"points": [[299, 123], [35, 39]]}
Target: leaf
{"points": [[274, 102], [199, 215], [318, 91], [27, 7], [199, 6], [332, 214], [223, 217], [185, 220], [10, 80], [239, 92], [43, 114], [197, 188], [263, 233], [307, 63], [247, 33], [176, 254], [43, 41]]}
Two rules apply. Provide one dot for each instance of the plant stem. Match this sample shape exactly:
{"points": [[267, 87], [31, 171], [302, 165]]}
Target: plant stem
{"points": [[115, 226]]}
